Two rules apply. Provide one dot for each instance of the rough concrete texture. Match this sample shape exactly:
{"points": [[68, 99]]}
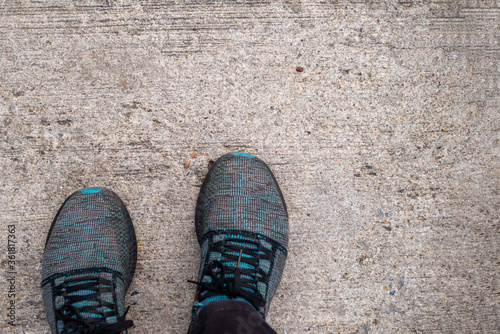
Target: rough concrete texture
{"points": [[385, 146]]}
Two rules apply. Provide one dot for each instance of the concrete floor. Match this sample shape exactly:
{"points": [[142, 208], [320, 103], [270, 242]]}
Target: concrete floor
{"points": [[385, 146]]}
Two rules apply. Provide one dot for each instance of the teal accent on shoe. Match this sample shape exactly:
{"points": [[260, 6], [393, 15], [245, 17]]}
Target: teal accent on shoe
{"points": [[242, 227], [83, 290], [242, 154], [90, 190]]}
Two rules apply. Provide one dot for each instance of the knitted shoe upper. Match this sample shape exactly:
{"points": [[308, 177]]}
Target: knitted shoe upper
{"points": [[241, 193], [88, 263], [242, 227]]}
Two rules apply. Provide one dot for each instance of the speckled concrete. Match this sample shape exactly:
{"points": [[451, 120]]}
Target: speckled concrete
{"points": [[385, 146]]}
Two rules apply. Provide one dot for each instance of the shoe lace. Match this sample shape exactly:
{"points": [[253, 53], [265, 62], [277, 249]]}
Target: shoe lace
{"points": [[88, 289], [227, 275]]}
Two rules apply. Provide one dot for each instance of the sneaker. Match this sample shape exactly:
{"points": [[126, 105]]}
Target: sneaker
{"points": [[242, 228], [88, 264]]}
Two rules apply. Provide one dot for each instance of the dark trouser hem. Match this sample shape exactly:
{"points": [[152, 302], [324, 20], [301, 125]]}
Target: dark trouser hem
{"points": [[229, 317]]}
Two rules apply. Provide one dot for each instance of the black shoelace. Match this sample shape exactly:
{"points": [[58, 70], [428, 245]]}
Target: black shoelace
{"points": [[233, 280], [72, 317]]}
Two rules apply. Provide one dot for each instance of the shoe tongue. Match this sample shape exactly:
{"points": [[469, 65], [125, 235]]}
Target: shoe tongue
{"points": [[237, 242], [220, 254], [105, 294], [243, 241]]}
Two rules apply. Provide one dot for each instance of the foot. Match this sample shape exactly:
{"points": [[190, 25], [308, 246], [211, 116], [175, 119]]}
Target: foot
{"points": [[89, 261], [242, 228]]}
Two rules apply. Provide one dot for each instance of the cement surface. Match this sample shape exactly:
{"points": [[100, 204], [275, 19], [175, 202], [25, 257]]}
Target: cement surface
{"points": [[385, 147]]}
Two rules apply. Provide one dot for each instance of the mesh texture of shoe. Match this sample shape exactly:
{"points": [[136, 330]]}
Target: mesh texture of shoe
{"points": [[88, 264], [242, 228]]}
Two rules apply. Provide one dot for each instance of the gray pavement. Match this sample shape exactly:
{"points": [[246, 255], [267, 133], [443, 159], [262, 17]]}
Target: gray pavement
{"points": [[385, 147]]}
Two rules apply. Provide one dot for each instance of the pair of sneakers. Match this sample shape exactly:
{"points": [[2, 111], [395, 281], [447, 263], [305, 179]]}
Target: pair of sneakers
{"points": [[91, 249]]}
